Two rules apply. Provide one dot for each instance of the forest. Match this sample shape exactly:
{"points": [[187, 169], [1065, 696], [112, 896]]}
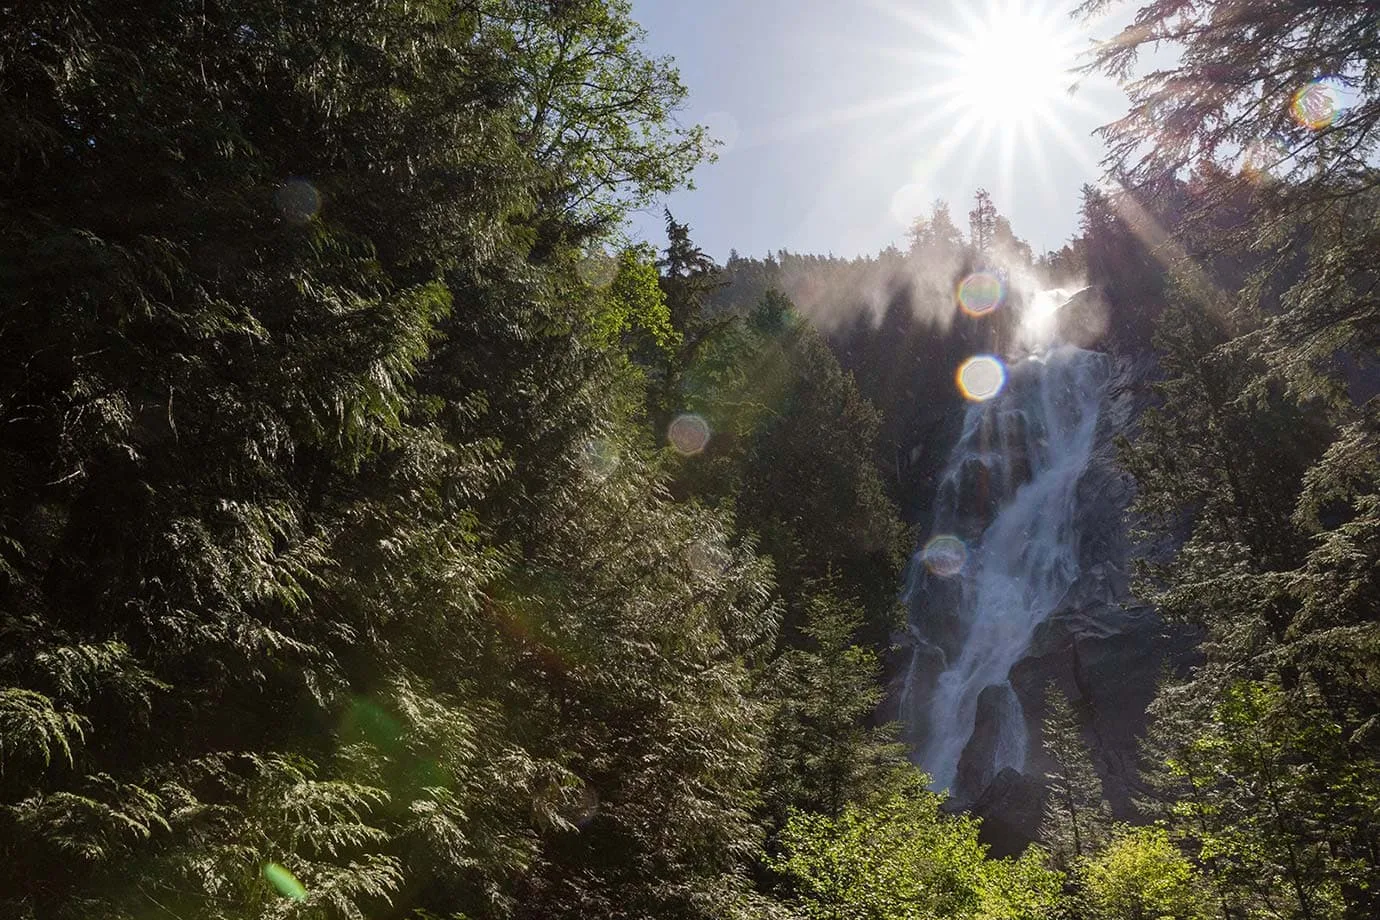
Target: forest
{"points": [[384, 533]]}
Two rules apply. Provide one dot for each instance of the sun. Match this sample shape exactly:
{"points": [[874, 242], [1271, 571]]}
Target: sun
{"points": [[1012, 64], [942, 92]]}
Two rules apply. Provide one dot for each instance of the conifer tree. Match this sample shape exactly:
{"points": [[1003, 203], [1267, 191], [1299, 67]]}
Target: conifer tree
{"points": [[1278, 554], [1076, 816], [982, 222], [822, 751], [317, 450]]}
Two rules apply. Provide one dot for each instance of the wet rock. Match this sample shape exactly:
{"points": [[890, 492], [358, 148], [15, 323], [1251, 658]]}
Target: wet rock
{"points": [[1107, 658], [976, 501], [996, 707], [917, 664], [1010, 806]]}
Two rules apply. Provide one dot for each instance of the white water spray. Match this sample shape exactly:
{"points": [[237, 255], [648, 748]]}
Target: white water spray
{"points": [[1008, 490]]}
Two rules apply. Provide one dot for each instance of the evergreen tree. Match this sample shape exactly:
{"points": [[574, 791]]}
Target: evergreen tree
{"points": [[982, 222], [1076, 814], [319, 450], [822, 754], [1277, 554], [936, 235]]}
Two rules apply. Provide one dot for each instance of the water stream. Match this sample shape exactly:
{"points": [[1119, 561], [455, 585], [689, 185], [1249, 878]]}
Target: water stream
{"points": [[1006, 555]]}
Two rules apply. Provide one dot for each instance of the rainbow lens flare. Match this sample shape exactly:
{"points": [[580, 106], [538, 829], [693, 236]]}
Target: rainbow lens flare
{"points": [[599, 458], [688, 434], [980, 293], [286, 883], [1317, 105], [981, 377], [945, 555]]}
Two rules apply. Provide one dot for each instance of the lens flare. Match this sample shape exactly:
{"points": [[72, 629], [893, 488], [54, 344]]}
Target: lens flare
{"points": [[598, 269], [688, 434], [298, 201], [365, 720], [587, 809], [945, 555], [908, 202], [1317, 105], [599, 459], [981, 377], [286, 883], [704, 560], [980, 293]]}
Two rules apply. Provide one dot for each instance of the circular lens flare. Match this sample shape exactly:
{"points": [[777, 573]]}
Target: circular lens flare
{"points": [[1317, 105], [598, 270], [704, 560], [945, 555], [981, 377], [688, 434], [908, 202], [599, 458], [980, 293], [298, 201]]}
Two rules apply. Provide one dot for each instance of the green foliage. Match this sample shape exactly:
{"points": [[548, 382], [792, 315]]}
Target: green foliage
{"points": [[33, 729], [1141, 875], [1258, 467], [634, 301], [899, 856], [594, 112], [305, 560], [793, 451]]}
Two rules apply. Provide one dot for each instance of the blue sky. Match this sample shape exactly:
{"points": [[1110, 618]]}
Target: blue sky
{"points": [[831, 144]]}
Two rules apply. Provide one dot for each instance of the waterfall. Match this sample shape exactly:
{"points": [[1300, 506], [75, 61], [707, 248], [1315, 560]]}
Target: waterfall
{"points": [[1002, 554]]}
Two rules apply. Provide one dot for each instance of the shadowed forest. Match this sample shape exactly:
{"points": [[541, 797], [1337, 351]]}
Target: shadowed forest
{"points": [[385, 534]]}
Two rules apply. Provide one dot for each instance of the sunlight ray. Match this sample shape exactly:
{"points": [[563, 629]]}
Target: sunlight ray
{"points": [[923, 25], [970, 166], [1034, 148], [1158, 242], [1006, 164], [872, 108]]}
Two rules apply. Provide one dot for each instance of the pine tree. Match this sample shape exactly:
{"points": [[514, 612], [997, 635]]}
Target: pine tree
{"points": [[1076, 815], [982, 222], [823, 753], [1278, 554]]}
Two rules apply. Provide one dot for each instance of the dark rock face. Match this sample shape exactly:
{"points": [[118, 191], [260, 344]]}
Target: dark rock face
{"points": [[1009, 807], [975, 767]]}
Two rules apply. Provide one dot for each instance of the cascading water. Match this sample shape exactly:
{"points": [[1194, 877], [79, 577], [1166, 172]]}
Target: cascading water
{"points": [[1003, 553]]}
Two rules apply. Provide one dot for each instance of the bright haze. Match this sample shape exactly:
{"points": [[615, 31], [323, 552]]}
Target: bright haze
{"points": [[842, 120]]}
